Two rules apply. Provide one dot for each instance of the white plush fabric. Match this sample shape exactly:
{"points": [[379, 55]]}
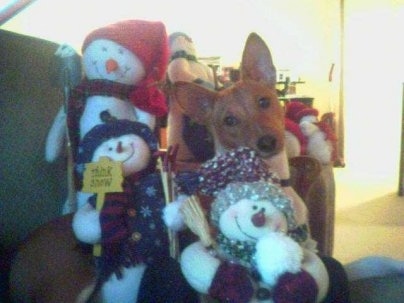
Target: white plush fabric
{"points": [[199, 266], [172, 215], [277, 254], [86, 224]]}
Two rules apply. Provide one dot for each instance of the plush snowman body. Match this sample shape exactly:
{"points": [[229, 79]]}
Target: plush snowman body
{"points": [[103, 59], [253, 234], [133, 237], [316, 138], [134, 154], [108, 60]]}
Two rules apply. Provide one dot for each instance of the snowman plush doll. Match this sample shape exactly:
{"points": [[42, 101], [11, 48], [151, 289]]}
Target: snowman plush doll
{"points": [[123, 64], [244, 166], [319, 139], [253, 258], [134, 264]]}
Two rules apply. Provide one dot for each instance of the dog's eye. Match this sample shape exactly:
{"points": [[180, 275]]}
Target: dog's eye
{"points": [[263, 102], [230, 121]]}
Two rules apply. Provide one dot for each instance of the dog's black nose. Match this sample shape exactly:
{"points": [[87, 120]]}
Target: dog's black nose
{"points": [[267, 144]]}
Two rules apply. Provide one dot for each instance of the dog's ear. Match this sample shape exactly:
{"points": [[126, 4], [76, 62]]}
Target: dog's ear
{"points": [[257, 62], [195, 101]]}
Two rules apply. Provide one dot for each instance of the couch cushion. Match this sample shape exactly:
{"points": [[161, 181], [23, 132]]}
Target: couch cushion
{"points": [[32, 190], [388, 289]]}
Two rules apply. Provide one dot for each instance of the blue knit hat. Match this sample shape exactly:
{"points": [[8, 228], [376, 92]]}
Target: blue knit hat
{"points": [[112, 129]]}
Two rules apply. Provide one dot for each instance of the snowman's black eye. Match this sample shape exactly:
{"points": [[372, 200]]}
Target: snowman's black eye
{"points": [[120, 51], [104, 49], [255, 207]]}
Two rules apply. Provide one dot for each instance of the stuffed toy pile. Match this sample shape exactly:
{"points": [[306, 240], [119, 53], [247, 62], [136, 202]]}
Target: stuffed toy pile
{"points": [[111, 117], [123, 64], [110, 121], [307, 135]]}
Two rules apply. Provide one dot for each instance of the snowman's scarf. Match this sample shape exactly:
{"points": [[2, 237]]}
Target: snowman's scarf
{"points": [[101, 87], [241, 252], [145, 96]]}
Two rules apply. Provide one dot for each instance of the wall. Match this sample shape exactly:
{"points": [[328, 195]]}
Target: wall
{"points": [[302, 34], [374, 73]]}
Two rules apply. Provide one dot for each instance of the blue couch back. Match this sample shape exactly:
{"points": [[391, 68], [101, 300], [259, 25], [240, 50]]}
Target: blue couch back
{"points": [[31, 190]]}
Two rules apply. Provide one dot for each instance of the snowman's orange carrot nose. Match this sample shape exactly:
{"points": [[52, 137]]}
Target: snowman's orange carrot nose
{"points": [[119, 148], [111, 65]]}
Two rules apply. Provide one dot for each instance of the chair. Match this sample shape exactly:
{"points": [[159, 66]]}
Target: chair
{"points": [[315, 184]]}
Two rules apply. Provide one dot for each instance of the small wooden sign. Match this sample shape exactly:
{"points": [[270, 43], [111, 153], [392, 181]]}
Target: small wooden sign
{"points": [[104, 176]]}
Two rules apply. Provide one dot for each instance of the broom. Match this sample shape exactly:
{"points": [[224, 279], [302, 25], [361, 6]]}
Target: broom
{"points": [[195, 219]]}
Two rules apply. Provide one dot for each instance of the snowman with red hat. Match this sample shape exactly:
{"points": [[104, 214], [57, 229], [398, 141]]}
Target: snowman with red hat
{"points": [[315, 137], [123, 65]]}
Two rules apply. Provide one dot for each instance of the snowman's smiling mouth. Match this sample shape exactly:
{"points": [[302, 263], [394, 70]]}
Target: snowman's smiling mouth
{"points": [[131, 154], [243, 232]]}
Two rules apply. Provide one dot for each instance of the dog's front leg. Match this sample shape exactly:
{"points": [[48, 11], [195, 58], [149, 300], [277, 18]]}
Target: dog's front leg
{"points": [[280, 165]]}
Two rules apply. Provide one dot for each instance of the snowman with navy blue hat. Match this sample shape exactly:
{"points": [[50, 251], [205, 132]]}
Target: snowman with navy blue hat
{"points": [[135, 264]]}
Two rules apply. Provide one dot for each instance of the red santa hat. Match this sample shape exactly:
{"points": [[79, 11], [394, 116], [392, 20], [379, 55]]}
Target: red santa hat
{"points": [[296, 110], [146, 39]]}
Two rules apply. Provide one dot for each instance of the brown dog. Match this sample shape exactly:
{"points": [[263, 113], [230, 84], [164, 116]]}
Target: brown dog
{"points": [[248, 113], [245, 114]]}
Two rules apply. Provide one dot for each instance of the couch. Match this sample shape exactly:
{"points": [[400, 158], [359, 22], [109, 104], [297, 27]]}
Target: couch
{"points": [[33, 191]]}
